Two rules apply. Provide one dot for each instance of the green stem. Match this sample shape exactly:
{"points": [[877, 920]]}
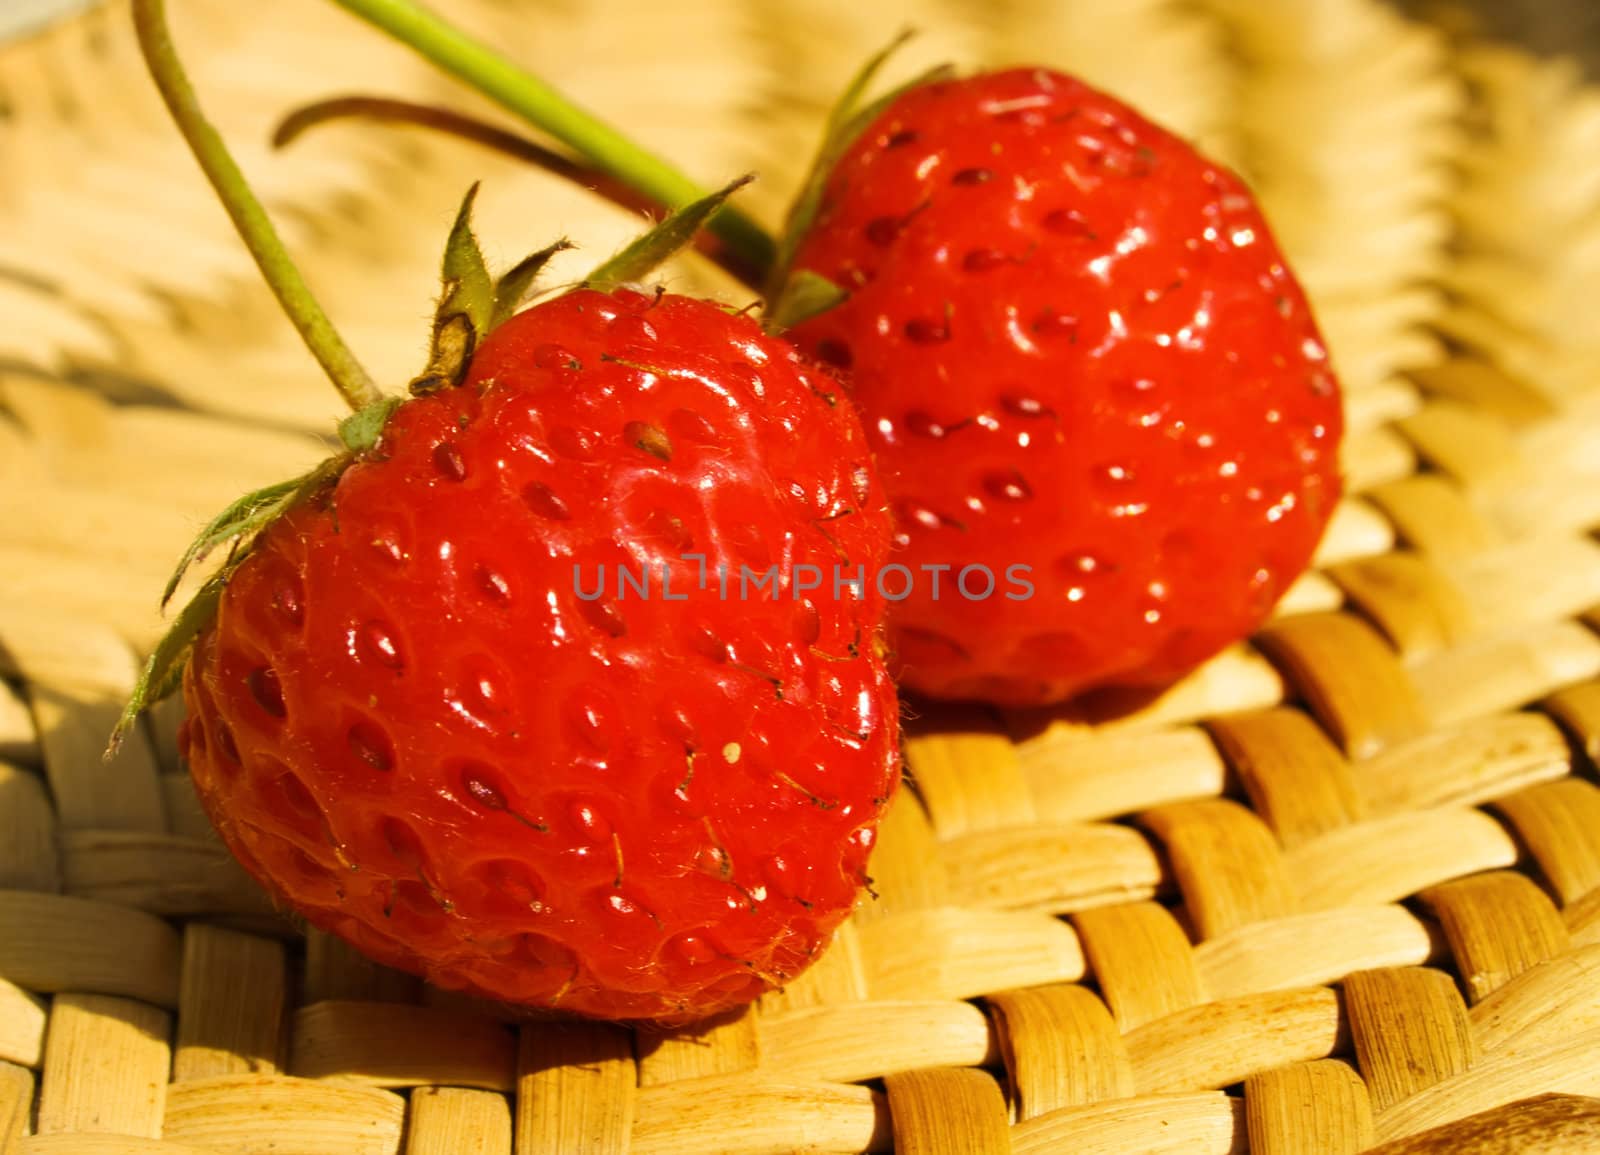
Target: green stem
{"points": [[346, 373], [521, 92]]}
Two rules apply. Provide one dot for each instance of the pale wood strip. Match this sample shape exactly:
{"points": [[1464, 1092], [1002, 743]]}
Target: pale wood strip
{"points": [[576, 1089], [1142, 961], [1052, 868], [956, 1109], [1577, 708], [907, 867], [1531, 581], [1079, 777], [19, 741], [382, 1045], [1554, 1124], [1061, 1047], [1298, 783], [754, 1113], [1464, 765], [82, 1144], [90, 793], [724, 1045], [28, 857], [1310, 593], [456, 1121], [1559, 822], [1216, 1044], [278, 1113], [1393, 857], [968, 782], [951, 953], [1226, 863], [852, 1043], [1543, 1004], [1316, 1108], [164, 874], [834, 978], [16, 1105], [1356, 529], [50, 648], [22, 1023], [1350, 679], [1583, 919], [220, 1032], [1417, 606], [1205, 1124], [1433, 516], [1374, 458], [52, 942], [105, 1066], [1504, 671], [1239, 678], [1499, 924], [1307, 949], [1570, 1066], [1486, 386], [186, 818], [336, 970], [1410, 1031], [1461, 442]]}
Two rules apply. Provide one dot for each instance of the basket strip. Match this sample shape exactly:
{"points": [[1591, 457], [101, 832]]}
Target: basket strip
{"points": [[1577, 708], [27, 833], [218, 1032], [1312, 948], [1559, 822], [848, 1044], [1410, 1031], [724, 1045], [1296, 780], [1543, 1123], [1498, 925], [388, 1046], [53, 943], [22, 1023], [1071, 779], [336, 970], [19, 743], [1062, 1049], [16, 1104], [457, 1121], [73, 725], [576, 1088], [1056, 869], [1463, 765], [745, 1113], [951, 953], [1315, 1108], [251, 1113], [1141, 957], [159, 873], [1225, 861], [955, 1109], [1543, 1004], [105, 1066], [1204, 1124]]}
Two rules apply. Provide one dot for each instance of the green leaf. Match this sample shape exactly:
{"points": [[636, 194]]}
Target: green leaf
{"points": [[164, 671], [360, 431], [645, 255], [805, 295], [848, 119], [512, 288], [464, 273], [251, 511]]}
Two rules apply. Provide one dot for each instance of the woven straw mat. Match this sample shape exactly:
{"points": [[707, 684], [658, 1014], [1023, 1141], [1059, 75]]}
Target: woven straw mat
{"points": [[1337, 891]]}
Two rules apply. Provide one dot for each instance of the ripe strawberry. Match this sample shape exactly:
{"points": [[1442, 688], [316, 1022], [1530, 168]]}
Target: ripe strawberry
{"points": [[408, 722], [1076, 348]]}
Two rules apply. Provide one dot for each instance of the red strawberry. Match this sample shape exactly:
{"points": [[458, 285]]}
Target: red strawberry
{"points": [[409, 723], [1076, 348]]}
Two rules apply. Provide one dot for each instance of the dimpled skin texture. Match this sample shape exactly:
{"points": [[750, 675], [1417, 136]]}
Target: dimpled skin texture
{"points": [[407, 724], [1075, 347]]}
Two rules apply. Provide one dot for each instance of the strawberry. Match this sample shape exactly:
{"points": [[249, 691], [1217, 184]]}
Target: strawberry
{"points": [[562, 683], [1081, 358], [411, 724]]}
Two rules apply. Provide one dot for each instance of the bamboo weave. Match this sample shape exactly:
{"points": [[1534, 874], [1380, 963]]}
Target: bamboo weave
{"points": [[1338, 891]]}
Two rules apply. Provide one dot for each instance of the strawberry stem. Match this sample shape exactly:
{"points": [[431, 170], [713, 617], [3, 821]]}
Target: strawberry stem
{"points": [[346, 373], [524, 94]]}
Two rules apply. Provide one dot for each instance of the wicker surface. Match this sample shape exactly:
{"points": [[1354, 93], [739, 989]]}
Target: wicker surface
{"points": [[1339, 890]]}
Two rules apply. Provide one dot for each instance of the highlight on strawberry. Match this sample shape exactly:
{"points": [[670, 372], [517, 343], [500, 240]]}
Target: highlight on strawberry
{"points": [[411, 724], [1079, 355]]}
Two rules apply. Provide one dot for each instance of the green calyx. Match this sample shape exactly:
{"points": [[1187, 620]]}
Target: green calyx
{"points": [[798, 296]]}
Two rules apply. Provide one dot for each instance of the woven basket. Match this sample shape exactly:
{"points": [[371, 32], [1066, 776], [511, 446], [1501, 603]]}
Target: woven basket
{"points": [[1337, 891]]}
